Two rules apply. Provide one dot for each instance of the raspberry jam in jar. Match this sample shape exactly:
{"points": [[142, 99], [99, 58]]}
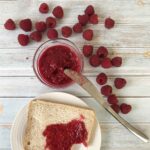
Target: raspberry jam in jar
{"points": [[52, 58]]}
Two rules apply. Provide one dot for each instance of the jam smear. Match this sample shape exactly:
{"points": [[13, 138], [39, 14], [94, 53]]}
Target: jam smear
{"points": [[63, 136], [54, 60]]}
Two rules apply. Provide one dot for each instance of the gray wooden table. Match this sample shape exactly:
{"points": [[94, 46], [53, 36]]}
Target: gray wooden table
{"points": [[129, 39]]}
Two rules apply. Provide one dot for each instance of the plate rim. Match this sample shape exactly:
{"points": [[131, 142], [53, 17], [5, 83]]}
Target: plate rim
{"points": [[36, 97]]}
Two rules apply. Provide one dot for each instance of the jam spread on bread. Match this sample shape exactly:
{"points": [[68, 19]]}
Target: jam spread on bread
{"points": [[63, 136], [54, 60]]}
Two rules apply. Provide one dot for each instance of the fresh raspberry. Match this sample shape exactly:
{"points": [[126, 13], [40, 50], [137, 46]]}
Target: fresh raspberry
{"points": [[44, 8], [125, 108], [83, 19], [101, 79], [102, 52], [106, 63], [26, 25], [87, 50], [94, 61], [112, 99], [40, 26], [58, 12], [88, 34], [109, 23], [23, 39], [10, 25], [36, 36], [51, 22], [120, 83], [66, 31], [77, 28], [116, 108], [116, 61], [93, 19], [52, 34], [89, 10], [106, 90]]}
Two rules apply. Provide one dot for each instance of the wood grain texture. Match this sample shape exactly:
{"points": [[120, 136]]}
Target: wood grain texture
{"points": [[129, 39]]}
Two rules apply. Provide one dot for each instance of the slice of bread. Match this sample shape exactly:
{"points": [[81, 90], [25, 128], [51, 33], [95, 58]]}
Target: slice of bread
{"points": [[43, 113]]}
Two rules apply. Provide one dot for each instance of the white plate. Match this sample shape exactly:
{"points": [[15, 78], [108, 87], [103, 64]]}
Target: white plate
{"points": [[19, 124]]}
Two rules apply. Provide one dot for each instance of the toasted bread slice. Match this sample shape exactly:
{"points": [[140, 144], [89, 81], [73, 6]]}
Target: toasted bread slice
{"points": [[43, 113]]}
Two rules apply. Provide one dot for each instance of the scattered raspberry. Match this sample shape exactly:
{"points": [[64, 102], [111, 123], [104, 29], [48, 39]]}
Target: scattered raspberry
{"points": [[94, 61], [125, 108], [83, 19], [89, 10], [106, 63], [40, 26], [87, 50], [112, 99], [77, 28], [66, 31], [120, 83], [52, 34], [44, 8], [36, 36], [10, 25], [88, 34], [51, 22], [116, 108], [58, 12], [23, 39], [109, 23], [102, 52], [101, 79], [106, 90], [116, 61], [26, 25], [93, 19]]}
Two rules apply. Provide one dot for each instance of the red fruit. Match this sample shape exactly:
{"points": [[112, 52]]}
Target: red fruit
{"points": [[66, 31], [44, 8], [40, 26], [23, 39], [94, 61], [58, 12], [116, 61], [26, 25], [116, 108], [125, 108], [93, 19], [87, 50], [52, 34], [83, 19], [102, 52], [112, 99], [89, 10], [51, 22], [120, 83], [36, 36], [106, 90], [10, 25], [109, 23], [106, 63], [77, 28], [101, 79], [88, 34]]}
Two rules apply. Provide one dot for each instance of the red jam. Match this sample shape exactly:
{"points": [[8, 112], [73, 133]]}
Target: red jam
{"points": [[54, 60], [63, 136]]}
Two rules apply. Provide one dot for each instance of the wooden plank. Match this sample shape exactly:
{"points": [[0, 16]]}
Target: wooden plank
{"points": [[11, 106], [127, 12], [138, 86], [18, 62], [114, 136]]}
